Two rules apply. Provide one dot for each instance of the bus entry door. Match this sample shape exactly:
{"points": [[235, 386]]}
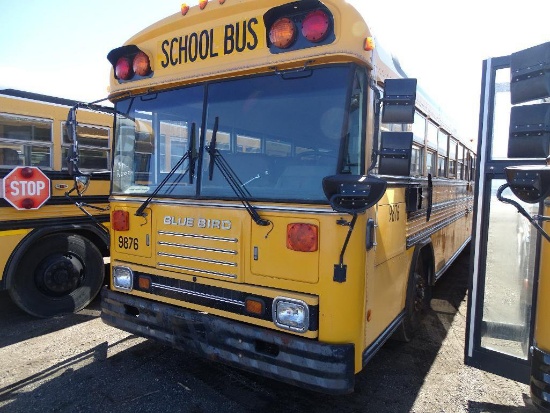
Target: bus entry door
{"points": [[505, 259]]}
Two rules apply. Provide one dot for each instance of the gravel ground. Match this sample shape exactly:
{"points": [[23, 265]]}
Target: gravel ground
{"points": [[76, 363]]}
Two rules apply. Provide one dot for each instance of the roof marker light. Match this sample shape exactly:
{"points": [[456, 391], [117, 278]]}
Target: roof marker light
{"points": [[369, 44], [184, 9], [203, 4]]}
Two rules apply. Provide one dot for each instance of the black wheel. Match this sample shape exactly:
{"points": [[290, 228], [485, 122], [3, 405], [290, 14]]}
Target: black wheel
{"points": [[419, 295], [61, 273]]}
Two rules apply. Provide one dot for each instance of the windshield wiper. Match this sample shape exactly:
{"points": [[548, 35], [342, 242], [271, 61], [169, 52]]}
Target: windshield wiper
{"points": [[189, 154], [192, 153], [231, 177], [212, 149]]}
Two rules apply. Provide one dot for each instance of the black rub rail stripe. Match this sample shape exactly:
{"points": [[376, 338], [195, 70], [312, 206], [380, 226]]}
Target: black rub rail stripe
{"points": [[63, 175], [459, 202], [50, 222], [38, 97], [63, 200], [213, 297]]}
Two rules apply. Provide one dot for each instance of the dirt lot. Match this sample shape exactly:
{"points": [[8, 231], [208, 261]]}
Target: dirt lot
{"points": [[77, 364]]}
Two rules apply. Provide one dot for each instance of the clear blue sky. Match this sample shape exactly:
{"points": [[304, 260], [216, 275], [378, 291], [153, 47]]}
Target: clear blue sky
{"points": [[59, 47]]}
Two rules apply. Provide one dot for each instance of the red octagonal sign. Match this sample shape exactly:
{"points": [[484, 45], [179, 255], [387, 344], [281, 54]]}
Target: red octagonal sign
{"points": [[26, 187]]}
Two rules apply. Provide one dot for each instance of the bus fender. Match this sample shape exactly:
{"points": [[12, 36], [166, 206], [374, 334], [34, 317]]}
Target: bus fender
{"points": [[418, 295], [57, 270], [424, 250], [99, 236]]}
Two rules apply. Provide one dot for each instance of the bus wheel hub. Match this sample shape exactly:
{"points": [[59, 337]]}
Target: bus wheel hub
{"points": [[59, 274]]}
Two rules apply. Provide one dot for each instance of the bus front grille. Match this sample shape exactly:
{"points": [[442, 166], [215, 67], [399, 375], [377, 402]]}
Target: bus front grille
{"points": [[196, 254]]}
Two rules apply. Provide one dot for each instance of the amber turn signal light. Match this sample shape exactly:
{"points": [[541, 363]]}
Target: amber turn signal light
{"points": [[144, 283], [283, 33], [254, 306]]}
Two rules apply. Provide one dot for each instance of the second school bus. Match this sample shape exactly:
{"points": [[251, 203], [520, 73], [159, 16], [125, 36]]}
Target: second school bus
{"points": [[52, 255], [279, 202]]}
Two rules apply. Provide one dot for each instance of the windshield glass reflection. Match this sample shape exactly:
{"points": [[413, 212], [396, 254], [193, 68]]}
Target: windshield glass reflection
{"points": [[280, 136]]}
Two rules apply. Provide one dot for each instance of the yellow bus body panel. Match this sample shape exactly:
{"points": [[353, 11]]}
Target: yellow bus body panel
{"points": [[9, 240], [542, 326], [254, 58]]}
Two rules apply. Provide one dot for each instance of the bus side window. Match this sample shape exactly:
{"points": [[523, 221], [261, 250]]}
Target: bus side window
{"points": [[94, 147], [452, 158], [442, 151], [416, 161], [460, 162], [9, 157], [29, 137]]}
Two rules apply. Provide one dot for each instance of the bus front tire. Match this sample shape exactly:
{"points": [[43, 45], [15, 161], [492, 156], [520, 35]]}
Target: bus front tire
{"points": [[419, 295], [58, 274]]}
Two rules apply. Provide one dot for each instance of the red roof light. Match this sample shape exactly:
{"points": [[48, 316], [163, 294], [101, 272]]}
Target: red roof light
{"points": [[315, 26], [123, 69]]}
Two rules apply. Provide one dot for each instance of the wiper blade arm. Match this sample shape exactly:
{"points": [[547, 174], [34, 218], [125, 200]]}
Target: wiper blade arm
{"points": [[238, 187], [192, 152], [212, 149], [231, 177], [191, 155]]}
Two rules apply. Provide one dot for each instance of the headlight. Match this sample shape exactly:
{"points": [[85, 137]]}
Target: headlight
{"points": [[291, 314], [123, 278]]}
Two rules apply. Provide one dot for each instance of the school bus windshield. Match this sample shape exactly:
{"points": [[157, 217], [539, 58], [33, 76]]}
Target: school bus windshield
{"points": [[280, 134]]}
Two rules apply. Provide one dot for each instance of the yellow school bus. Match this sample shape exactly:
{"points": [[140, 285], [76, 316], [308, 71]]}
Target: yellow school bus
{"points": [[283, 199], [52, 254]]}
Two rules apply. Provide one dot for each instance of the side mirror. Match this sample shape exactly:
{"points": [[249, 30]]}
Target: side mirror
{"points": [[353, 194], [529, 131], [395, 153], [530, 74], [530, 124], [72, 156], [81, 183], [530, 183], [399, 100]]}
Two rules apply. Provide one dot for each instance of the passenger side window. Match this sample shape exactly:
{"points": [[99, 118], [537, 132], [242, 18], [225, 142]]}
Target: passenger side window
{"points": [[25, 141], [93, 147]]}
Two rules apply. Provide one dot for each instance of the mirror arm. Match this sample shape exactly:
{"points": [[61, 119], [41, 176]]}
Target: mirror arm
{"points": [[82, 206], [340, 269], [522, 211], [377, 107]]}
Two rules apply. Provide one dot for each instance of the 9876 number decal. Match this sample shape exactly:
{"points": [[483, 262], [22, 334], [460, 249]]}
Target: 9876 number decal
{"points": [[394, 212], [128, 243]]}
